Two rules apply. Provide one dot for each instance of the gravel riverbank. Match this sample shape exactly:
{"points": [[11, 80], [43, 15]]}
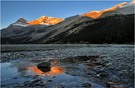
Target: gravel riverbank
{"points": [[107, 66]]}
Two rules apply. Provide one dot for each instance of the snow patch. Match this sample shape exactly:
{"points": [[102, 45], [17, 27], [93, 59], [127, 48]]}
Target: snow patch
{"points": [[18, 24]]}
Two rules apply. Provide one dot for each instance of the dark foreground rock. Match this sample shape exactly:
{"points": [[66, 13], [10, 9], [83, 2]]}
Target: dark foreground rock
{"points": [[44, 66]]}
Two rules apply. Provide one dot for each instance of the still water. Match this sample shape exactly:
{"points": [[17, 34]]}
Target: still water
{"points": [[20, 70]]}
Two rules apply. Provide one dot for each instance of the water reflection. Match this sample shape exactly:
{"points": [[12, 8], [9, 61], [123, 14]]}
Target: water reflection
{"points": [[55, 70]]}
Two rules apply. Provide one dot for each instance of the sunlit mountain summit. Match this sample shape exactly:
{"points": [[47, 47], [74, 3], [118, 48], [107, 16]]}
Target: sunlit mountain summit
{"points": [[128, 8], [46, 20]]}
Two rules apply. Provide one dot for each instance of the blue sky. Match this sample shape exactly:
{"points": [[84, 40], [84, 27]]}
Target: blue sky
{"points": [[30, 10]]}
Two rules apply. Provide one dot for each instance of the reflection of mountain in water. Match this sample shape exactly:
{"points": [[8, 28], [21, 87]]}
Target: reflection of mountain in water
{"points": [[53, 71], [24, 66]]}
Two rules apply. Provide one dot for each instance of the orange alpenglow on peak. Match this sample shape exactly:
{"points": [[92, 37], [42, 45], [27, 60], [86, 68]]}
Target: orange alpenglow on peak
{"points": [[46, 20], [95, 14], [133, 2]]}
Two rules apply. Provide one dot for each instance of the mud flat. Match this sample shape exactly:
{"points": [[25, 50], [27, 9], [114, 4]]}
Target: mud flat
{"points": [[73, 66]]}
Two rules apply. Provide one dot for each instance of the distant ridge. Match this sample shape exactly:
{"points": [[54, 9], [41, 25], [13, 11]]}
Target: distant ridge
{"points": [[123, 8]]}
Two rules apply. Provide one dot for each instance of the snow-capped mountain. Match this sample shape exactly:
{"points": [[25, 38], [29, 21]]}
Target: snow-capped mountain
{"points": [[45, 20], [80, 29], [123, 8], [127, 9]]}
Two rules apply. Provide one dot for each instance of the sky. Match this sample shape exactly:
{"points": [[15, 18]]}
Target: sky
{"points": [[30, 10]]}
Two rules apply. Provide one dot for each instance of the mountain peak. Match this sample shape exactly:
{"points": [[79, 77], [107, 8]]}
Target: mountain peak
{"points": [[95, 14], [118, 6], [21, 22], [96, 11], [46, 20], [44, 17]]}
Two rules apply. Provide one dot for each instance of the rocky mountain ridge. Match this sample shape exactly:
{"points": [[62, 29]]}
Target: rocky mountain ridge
{"points": [[75, 29]]}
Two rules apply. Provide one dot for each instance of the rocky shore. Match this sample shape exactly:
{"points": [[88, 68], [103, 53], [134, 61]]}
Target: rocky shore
{"points": [[86, 66]]}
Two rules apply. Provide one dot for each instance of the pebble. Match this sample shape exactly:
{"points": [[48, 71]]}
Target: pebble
{"points": [[123, 72], [102, 74], [117, 86], [42, 85], [62, 85], [37, 80], [37, 84], [53, 76], [49, 80], [35, 76], [15, 78], [86, 85], [108, 64], [110, 83]]}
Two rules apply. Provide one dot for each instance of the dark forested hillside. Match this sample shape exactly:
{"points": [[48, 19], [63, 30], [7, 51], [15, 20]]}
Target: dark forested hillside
{"points": [[114, 29]]}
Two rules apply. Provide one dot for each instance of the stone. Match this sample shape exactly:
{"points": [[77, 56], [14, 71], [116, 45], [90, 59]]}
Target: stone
{"points": [[102, 74], [36, 84], [49, 80], [44, 66], [35, 76], [37, 80], [123, 72], [53, 77], [117, 86], [110, 83], [86, 85], [15, 77], [108, 64], [62, 85], [42, 85]]}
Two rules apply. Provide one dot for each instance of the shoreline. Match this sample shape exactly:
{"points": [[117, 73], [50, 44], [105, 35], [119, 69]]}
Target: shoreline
{"points": [[44, 47]]}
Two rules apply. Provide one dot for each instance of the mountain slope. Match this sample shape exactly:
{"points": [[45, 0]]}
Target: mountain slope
{"points": [[103, 30], [63, 27], [15, 28], [81, 30], [127, 9], [95, 14], [123, 10], [92, 27], [21, 22], [35, 35]]}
